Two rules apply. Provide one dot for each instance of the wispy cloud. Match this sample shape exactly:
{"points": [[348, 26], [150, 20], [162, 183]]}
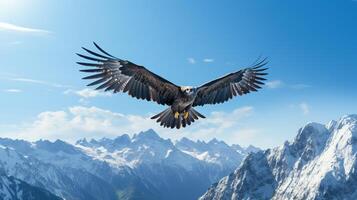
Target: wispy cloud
{"points": [[191, 60], [16, 28], [41, 82], [87, 93], [12, 90], [208, 60], [304, 108], [274, 84], [194, 61], [28, 80]]}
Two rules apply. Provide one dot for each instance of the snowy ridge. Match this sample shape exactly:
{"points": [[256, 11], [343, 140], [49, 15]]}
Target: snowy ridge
{"points": [[214, 152], [147, 147], [319, 164], [124, 167]]}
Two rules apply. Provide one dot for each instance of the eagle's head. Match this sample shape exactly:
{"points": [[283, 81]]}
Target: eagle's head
{"points": [[188, 90]]}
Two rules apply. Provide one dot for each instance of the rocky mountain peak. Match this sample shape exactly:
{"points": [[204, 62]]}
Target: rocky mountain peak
{"points": [[147, 135], [320, 163]]}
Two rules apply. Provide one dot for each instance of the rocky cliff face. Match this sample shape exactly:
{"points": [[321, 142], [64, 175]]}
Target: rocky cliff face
{"points": [[319, 164]]}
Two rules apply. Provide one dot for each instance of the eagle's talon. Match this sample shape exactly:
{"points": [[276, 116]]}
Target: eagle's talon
{"points": [[177, 114], [185, 115]]}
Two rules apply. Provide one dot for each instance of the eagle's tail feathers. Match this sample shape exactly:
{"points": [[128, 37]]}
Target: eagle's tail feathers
{"points": [[197, 113], [178, 121], [167, 118]]}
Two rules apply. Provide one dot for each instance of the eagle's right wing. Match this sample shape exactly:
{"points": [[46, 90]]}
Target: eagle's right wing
{"points": [[124, 76]]}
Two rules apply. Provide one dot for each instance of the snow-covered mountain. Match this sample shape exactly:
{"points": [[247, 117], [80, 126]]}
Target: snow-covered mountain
{"points": [[144, 166], [15, 189], [56, 166], [320, 163], [178, 171]]}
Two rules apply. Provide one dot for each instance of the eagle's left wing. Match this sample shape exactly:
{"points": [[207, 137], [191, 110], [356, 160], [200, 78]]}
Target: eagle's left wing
{"points": [[226, 87], [117, 75]]}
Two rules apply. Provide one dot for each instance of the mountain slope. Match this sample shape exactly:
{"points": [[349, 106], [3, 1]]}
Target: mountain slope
{"points": [[319, 164], [14, 189], [57, 167]]}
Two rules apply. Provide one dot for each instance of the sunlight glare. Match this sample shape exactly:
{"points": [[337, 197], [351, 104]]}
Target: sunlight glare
{"points": [[12, 7]]}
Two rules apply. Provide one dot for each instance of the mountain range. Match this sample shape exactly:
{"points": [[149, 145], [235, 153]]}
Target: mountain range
{"points": [[144, 166], [320, 163]]}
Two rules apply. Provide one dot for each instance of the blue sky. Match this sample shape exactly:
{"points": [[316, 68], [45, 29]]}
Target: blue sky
{"points": [[311, 46]]}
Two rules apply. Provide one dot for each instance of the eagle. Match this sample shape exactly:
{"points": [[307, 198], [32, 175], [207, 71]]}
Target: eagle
{"points": [[114, 74]]}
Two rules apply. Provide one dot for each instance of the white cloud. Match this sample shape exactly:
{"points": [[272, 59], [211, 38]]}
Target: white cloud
{"points": [[274, 84], [34, 81], [28, 80], [208, 60], [87, 93], [79, 121], [227, 126], [13, 90], [304, 108], [92, 122], [15, 28], [191, 60]]}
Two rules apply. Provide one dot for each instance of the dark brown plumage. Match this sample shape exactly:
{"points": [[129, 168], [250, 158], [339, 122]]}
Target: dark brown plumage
{"points": [[237, 83], [117, 75]]}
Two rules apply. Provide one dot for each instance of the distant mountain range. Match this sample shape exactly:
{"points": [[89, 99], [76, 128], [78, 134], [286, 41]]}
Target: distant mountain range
{"points": [[144, 166], [321, 163]]}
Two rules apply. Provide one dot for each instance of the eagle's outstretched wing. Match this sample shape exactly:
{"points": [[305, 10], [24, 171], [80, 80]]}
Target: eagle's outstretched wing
{"points": [[120, 75], [226, 87]]}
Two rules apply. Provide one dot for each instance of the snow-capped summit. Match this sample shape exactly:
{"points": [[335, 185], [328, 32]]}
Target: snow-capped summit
{"points": [[109, 144], [56, 146], [250, 148], [331, 125], [147, 135], [215, 152], [245, 150], [215, 141], [321, 163], [122, 140], [83, 142]]}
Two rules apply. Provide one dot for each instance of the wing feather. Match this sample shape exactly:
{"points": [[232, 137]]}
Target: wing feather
{"points": [[234, 84], [117, 75]]}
